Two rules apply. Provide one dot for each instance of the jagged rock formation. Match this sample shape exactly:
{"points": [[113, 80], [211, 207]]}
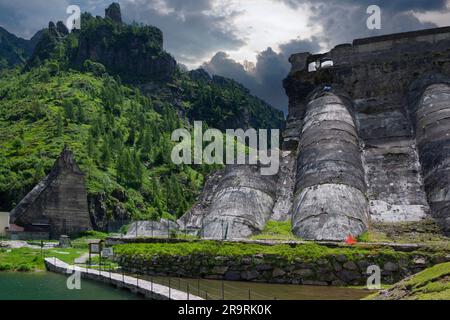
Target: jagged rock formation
{"points": [[58, 202], [113, 13], [136, 54]]}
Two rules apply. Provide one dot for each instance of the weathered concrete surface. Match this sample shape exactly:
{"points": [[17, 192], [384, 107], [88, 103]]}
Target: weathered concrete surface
{"points": [[285, 187], [329, 201], [60, 200], [432, 116], [385, 77], [241, 205], [150, 290], [163, 228], [393, 171]]}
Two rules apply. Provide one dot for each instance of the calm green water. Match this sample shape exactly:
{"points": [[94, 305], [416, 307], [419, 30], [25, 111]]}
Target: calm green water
{"points": [[232, 290], [52, 286]]}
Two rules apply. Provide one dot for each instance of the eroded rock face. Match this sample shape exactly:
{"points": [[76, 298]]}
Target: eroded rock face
{"points": [[329, 201], [113, 12], [137, 55], [241, 205]]}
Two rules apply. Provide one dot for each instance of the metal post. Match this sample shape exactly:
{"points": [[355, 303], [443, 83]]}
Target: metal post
{"points": [[202, 234], [249, 295], [168, 229], [223, 291], [151, 283], [198, 287], [169, 289]]}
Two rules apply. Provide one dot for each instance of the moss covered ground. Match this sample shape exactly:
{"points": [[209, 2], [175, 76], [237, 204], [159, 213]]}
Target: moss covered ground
{"points": [[431, 284]]}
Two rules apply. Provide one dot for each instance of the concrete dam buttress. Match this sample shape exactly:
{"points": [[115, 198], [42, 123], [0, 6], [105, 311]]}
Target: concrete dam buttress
{"points": [[367, 139]]}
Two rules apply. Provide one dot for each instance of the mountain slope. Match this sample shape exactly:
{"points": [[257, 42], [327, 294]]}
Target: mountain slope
{"points": [[119, 132], [14, 50]]}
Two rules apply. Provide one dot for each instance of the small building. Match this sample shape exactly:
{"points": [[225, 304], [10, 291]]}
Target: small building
{"points": [[4, 223], [32, 232]]}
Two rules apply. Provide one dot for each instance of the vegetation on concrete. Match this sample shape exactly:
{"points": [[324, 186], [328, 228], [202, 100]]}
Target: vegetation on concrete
{"points": [[276, 230]]}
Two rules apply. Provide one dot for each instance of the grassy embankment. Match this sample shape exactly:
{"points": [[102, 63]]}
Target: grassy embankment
{"points": [[308, 251], [430, 284]]}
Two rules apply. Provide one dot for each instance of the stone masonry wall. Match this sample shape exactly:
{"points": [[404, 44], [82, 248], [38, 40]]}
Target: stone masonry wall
{"points": [[333, 270]]}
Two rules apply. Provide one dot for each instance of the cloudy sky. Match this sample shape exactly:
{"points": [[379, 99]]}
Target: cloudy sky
{"points": [[248, 40]]}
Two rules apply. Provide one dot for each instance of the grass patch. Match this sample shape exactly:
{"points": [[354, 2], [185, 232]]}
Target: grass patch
{"points": [[276, 230], [308, 251], [81, 241], [431, 284], [27, 259]]}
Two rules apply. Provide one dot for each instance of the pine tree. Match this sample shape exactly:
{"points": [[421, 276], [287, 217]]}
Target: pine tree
{"points": [[91, 146], [59, 125], [105, 153]]}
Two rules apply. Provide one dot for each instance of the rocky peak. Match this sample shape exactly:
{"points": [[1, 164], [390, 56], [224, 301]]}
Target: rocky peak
{"points": [[61, 28], [113, 12]]}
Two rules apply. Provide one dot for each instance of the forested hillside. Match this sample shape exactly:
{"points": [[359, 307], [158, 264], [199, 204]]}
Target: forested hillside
{"points": [[118, 126]]}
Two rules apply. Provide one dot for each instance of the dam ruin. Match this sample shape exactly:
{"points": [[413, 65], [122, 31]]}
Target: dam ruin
{"points": [[367, 139]]}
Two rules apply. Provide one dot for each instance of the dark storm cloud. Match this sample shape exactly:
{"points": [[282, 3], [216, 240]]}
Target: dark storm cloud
{"points": [[265, 78], [192, 30], [24, 17], [344, 21], [390, 5], [341, 21]]}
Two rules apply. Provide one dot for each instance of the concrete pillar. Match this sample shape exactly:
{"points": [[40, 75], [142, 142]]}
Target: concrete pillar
{"points": [[330, 201], [432, 120]]}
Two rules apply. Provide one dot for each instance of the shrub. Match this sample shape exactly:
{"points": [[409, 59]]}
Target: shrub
{"points": [[95, 68]]}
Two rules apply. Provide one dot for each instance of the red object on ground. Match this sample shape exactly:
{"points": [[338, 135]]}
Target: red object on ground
{"points": [[351, 240]]}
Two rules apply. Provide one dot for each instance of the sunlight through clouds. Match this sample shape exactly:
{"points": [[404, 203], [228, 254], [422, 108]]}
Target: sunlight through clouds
{"points": [[265, 23]]}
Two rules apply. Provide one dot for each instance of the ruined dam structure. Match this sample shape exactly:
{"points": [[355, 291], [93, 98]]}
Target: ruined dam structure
{"points": [[367, 140], [398, 87], [58, 203]]}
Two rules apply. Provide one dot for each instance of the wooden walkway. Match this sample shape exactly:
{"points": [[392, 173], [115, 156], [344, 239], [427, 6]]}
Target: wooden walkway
{"points": [[148, 289]]}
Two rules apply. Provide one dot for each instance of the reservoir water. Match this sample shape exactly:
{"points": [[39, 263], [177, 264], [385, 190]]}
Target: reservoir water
{"points": [[52, 286]]}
